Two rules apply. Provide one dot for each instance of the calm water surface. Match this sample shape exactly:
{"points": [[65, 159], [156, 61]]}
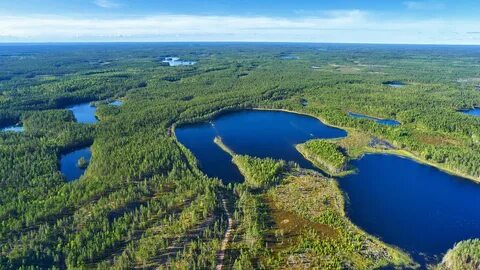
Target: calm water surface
{"points": [[213, 161], [84, 113], [473, 112], [69, 166], [116, 103], [413, 206], [256, 133], [385, 122], [395, 84], [175, 61], [272, 133]]}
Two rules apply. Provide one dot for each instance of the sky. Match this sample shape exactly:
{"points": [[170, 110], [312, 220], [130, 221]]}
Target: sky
{"points": [[338, 21]]}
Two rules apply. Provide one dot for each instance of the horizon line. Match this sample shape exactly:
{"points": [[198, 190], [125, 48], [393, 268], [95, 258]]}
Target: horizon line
{"points": [[219, 42]]}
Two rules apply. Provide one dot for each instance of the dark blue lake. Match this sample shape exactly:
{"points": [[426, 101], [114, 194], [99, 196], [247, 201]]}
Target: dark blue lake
{"points": [[385, 122], [473, 112], [214, 162], [252, 132], [84, 113], [69, 163], [413, 206]]}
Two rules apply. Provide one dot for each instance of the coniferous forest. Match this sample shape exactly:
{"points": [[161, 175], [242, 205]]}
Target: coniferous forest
{"points": [[144, 202]]}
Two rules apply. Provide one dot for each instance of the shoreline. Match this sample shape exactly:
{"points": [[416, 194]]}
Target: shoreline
{"points": [[323, 167], [401, 256], [407, 154], [398, 152], [218, 141]]}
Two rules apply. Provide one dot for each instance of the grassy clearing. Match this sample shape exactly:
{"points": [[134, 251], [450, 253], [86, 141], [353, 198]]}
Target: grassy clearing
{"points": [[339, 244], [118, 214], [293, 218], [355, 143]]}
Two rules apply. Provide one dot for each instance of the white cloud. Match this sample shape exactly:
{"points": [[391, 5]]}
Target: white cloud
{"points": [[106, 3], [331, 26], [424, 5], [331, 13]]}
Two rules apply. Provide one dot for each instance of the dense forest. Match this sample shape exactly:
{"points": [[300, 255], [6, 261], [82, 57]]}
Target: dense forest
{"points": [[325, 154], [143, 201]]}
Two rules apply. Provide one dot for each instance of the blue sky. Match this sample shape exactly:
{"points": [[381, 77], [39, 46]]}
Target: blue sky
{"points": [[354, 21]]}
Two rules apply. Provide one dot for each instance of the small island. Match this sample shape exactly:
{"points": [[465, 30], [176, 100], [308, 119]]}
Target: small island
{"points": [[326, 155], [82, 163]]}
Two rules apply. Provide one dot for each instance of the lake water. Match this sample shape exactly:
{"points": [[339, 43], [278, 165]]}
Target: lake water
{"points": [[252, 132], [304, 102], [69, 163], [15, 128], [385, 122], [473, 112], [84, 113], [214, 162], [175, 61], [413, 206]]}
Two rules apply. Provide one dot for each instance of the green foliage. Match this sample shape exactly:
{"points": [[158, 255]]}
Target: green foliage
{"points": [[260, 173], [464, 255], [251, 218], [143, 192], [82, 163], [337, 243], [325, 153]]}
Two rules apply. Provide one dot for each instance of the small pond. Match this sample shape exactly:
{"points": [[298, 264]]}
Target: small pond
{"points": [[385, 122], [395, 84], [14, 128], [84, 113], [175, 61], [69, 163], [413, 206], [116, 103], [304, 102]]}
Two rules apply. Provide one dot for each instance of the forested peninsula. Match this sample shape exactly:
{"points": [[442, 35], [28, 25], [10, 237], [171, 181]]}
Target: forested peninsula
{"points": [[144, 202]]}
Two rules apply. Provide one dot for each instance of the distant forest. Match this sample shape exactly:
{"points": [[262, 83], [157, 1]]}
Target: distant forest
{"points": [[143, 202]]}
